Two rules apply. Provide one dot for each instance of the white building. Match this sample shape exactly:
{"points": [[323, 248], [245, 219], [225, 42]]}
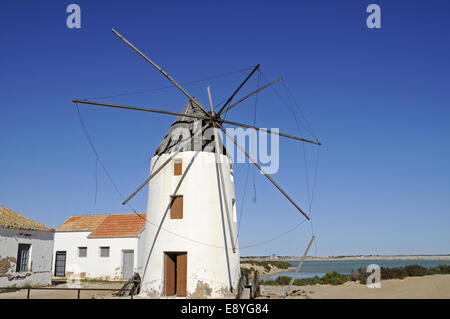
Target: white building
{"points": [[102, 246], [25, 250], [188, 237]]}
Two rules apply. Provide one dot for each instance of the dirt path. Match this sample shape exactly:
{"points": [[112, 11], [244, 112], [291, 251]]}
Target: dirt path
{"points": [[436, 286]]}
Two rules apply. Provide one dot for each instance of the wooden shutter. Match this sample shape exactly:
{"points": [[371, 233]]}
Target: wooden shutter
{"points": [[177, 167], [181, 274], [176, 207]]}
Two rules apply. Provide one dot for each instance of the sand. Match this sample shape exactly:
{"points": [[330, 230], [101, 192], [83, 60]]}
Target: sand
{"points": [[67, 294], [435, 286]]}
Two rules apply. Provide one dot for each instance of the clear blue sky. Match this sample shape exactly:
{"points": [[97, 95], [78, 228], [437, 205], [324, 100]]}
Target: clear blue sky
{"points": [[377, 98]]}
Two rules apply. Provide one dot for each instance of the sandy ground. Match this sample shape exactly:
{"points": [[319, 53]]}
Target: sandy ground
{"points": [[65, 294], [436, 286]]}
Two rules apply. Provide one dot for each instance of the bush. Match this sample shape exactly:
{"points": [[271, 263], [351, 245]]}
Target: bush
{"points": [[439, 270], [393, 273], [330, 278], [361, 274], [415, 270], [335, 278]]}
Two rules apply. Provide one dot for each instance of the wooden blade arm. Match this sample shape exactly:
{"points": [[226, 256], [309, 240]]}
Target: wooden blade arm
{"points": [[220, 177], [180, 147], [262, 171], [270, 131], [222, 182], [160, 70], [240, 86], [140, 109], [299, 266], [249, 95]]}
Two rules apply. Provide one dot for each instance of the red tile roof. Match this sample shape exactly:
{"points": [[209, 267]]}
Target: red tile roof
{"points": [[81, 222], [105, 225]]}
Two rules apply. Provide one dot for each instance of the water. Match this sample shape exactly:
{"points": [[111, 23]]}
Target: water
{"points": [[313, 268]]}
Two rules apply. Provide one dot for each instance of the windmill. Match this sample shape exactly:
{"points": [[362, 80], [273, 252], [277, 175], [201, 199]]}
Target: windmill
{"points": [[190, 240]]}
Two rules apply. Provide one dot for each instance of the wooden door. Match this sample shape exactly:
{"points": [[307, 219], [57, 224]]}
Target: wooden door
{"points": [[128, 264], [181, 274], [169, 274]]}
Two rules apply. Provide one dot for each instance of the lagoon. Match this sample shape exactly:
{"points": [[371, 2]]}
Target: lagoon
{"points": [[313, 268]]}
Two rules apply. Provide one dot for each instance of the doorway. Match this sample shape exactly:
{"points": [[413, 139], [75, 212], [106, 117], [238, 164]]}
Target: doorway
{"points": [[60, 264], [175, 274], [128, 264]]}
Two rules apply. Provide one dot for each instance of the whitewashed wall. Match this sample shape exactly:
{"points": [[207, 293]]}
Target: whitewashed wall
{"points": [[212, 270], [40, 260], [93, 266]]}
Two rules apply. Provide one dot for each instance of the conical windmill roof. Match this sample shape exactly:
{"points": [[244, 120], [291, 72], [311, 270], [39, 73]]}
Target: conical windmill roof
{"points": [[183, 124]]}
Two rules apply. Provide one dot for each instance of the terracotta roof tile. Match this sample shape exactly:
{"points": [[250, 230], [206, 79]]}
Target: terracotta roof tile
{"points": [[105, 225], [120, 225], [12, 219], [81, 222]]}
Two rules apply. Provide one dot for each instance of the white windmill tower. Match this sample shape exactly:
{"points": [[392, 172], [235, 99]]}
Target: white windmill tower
{"points": [[191, 247]]}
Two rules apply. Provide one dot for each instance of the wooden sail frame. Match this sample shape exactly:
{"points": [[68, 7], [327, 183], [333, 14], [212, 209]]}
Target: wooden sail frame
{"points": [[212, 119]]}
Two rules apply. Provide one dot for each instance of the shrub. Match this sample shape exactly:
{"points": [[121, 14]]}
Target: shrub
{"points": [[439, 270], [331, 278], [415, 270], [361, 274]]}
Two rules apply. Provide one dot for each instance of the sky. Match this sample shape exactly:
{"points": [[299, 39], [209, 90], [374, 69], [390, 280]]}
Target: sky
{"points": [[378, 100]]}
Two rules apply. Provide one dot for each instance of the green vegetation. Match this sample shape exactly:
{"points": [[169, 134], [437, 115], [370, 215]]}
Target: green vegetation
{"points": [[330, 278], [334, 278], [400, 272]]}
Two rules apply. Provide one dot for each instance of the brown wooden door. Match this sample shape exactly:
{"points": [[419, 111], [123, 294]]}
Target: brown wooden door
{"points": [[169, 274], [181, 274]]}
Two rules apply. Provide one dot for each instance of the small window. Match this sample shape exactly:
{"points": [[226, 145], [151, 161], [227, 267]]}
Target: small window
{"points": [[23, 257], [176, 207], [177, 167], [82, 252], [104, 251]]}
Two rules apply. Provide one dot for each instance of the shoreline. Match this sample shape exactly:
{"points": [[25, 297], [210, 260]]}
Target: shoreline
{"points": [[337, 258]]}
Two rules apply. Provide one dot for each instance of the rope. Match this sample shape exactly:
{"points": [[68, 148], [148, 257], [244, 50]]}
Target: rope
{"points": [[298, 122], [86, 133], [276, 237], [144, 218], [169, 86]]}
